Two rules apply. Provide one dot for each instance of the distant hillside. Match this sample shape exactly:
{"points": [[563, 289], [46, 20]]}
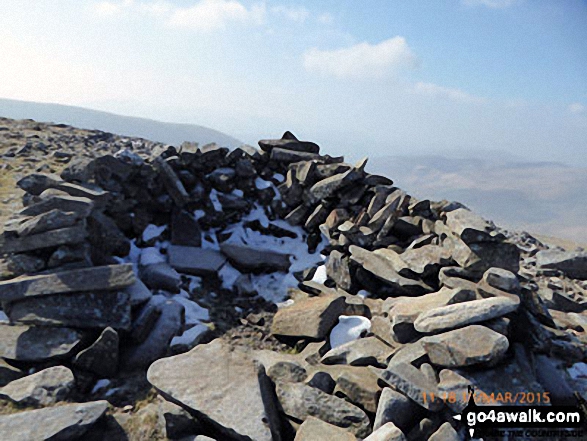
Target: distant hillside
{"points": [[168, 133], [543, 198]]}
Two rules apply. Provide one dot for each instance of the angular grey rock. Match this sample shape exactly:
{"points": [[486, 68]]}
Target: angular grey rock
{"points": [[360, 386], [381, 263], [138, 293], [172, 183], [311, 318], [195, 261], [445, 433], [101, 357], [454, 385], [177, 421], [461, 314], [19, 264], [78, 310], [156, 344], [287, 371], [51, 220], [80, 254], [24, 343], [426, 260], [313, 429], [502, 279], [64, 236], [37, 183], [470, 227], [479, 257], [279, 154], [467, 346], [396, 408], [67, 422], [109, 277], [573, 264], [227, 392], [43, 388], [410, 381], [105, 236], [160, 276], [255, 260], [300, 401], [81, 206], [337, 268], [289, 142], [387, 432], [361, 352], [144, 322]]}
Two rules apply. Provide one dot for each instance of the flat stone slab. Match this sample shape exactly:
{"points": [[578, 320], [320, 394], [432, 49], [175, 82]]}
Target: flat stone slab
{"points": [[63, 236], [311, 318], [195, 261], [88, 279], [409, 380], [25, 343], [51, 220], [43, 388], [102, 356], [314, 429], [67, 422], [78, 310], [82, 206], [255, 260], [461, 314], [474, 344], [218, 384]]}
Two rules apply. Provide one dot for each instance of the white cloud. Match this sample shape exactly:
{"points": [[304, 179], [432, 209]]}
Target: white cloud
{"points": [[209, 15], [108, 8], [155, 9], [297, 14], [325, 18], [362, 60], [576, 108], [436, 91], [494, 4]]}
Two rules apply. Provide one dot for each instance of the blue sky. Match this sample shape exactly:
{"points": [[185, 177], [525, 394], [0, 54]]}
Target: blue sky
{"points": [[484, 77]]}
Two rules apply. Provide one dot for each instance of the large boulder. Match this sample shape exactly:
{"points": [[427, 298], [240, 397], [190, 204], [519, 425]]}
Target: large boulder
{"points": [[25, 343], [228, 390], [43, 388], [573, 264]]}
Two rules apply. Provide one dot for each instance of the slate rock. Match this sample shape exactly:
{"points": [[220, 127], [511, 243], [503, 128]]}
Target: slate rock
{"points": [[289, 142], [394, 407], [138, 293], [172, 183], [287, 371], [81, 206], [461, 314], [67, 422], [300, 401], [255, 260], [387, 432], [359, 385], [502, 279], [109, 277], [160, 276], [479, 257], [311, 318], [64, 236], [106, 237], [195, 261], [573, 264], [8, 373], [227, 392], [156, 344], [470, 227], [313, 429], [411, 382], [467, 346], [79, 310], [24, 343], [185, 229], [101, 357], [361, 352], [43, 388], [51, 220], [445, 433]]}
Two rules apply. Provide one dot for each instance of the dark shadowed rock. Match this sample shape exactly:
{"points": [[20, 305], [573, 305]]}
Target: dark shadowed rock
{"points": [[26, 343], [81, 206], [102, 356], [185, 229], [226, 392], [8, 373], [255, 260], [311, 318], [160, 276], [88, 279], [470, 227], [67, 422], [43, 388], [573, 264], [172, 183]]}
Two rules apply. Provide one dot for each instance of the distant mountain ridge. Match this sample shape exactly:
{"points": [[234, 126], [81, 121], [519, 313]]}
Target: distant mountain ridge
{"points": [[168, 133]]}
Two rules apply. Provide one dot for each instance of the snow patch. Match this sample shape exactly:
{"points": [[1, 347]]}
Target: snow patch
{"points": [[578, 371], [320, 275], [194, 313], [153, 231], [349, 328], [151, 255], [214, 198], [100, 384]]}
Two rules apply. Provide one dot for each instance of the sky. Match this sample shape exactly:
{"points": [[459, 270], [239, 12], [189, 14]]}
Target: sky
{"points": [[377, 78]]}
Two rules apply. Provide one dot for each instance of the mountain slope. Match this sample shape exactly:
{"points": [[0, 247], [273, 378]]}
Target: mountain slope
{"points": [[168, 133]]}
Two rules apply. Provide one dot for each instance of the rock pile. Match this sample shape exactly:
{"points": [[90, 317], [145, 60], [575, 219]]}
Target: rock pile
{"points": [[390, 306]]}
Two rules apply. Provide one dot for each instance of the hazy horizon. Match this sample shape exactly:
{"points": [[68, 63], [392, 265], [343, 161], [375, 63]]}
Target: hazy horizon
{"points": [[375, 78]]}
